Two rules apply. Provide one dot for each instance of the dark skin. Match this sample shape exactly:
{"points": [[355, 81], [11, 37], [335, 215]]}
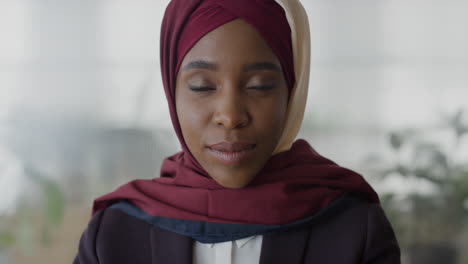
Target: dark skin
{"points": [[231, 88]]}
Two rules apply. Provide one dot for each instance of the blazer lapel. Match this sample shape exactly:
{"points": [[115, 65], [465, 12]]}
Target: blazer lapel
{"points": [[284, 247], [169, 247]]}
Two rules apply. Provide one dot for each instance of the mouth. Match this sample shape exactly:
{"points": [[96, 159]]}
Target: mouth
{"points": [[232, 153]]}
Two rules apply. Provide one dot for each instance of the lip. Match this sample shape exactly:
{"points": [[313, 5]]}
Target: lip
{"points": [[231, 153]]}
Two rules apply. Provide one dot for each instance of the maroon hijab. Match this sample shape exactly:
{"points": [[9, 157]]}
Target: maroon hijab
{"points": [[293, 184]]}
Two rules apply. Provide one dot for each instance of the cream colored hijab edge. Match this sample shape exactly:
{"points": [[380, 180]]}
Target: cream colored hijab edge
{"points": [[300, 34]]}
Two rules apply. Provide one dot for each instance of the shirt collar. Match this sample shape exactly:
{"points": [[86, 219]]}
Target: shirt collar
{"points": [[239, 242]]}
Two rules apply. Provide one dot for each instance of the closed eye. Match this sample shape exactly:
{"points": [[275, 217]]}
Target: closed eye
{"points": [[201, 88], [208, 88], [262, 87]]}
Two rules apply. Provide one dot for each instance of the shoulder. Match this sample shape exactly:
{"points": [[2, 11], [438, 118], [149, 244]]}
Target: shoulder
{"points": [[358, 230], [381, 244], [111, 233], [118, 228]]}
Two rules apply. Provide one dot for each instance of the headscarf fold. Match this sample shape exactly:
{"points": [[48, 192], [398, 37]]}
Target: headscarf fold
{"points": [[295, 183]]}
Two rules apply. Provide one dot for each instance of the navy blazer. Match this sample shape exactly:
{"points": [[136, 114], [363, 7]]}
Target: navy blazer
{"points": [[357, 234]]}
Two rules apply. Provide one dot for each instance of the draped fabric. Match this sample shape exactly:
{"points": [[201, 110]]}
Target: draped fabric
{"points": [[295, 183]]}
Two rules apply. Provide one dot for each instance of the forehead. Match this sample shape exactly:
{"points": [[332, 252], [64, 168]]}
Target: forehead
{"points": [[233, 42]]}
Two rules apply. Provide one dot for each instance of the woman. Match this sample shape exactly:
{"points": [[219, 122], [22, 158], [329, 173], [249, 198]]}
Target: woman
{"points": [[242, 190]]}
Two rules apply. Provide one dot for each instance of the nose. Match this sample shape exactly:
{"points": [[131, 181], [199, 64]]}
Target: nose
{"points": [[231, 111]]}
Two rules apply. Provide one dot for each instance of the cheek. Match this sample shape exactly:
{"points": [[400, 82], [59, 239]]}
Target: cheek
{"points": [[272, 117], [191, 119]]}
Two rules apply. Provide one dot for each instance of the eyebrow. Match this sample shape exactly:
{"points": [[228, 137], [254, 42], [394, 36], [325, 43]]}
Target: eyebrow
{"points": [[200, 64], [259, 66]]}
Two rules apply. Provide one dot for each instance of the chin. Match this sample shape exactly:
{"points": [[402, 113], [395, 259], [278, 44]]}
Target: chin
{"points": [[236, 185], [233, 181]]}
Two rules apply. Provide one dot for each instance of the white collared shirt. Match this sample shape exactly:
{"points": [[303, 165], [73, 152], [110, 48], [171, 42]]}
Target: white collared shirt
{"points": [[241, 251]]}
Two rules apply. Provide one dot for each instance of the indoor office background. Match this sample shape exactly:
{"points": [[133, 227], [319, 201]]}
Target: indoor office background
{"points": [[82, 110]]}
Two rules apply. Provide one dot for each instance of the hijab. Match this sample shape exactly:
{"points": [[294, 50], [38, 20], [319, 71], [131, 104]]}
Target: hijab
{"points": [[295, 184]]}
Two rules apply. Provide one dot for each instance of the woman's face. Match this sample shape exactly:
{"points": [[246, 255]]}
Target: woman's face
{"points": [[231, 100]]}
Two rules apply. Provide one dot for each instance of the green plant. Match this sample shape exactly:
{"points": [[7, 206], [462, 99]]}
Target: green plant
{"points": [[23, 228], [436, 209]]}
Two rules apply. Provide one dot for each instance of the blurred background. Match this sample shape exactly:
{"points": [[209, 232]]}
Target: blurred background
{"points": [[82, 111]]}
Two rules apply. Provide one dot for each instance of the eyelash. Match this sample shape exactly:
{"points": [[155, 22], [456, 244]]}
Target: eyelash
{"points": [[262, 87], [200, 88], [207, 88]]}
